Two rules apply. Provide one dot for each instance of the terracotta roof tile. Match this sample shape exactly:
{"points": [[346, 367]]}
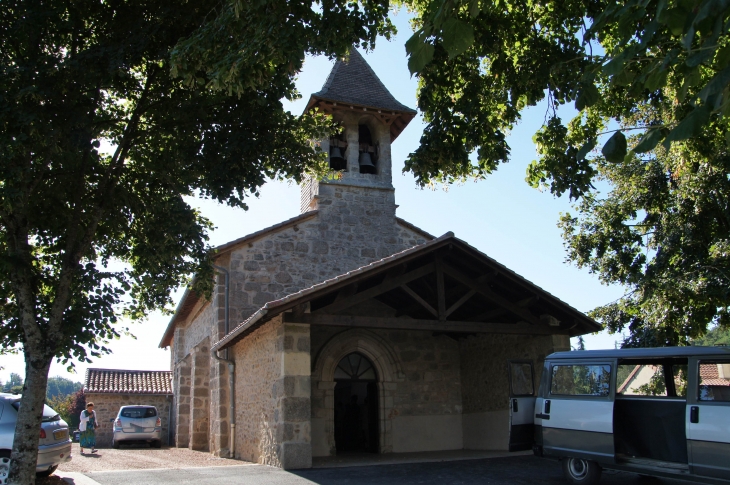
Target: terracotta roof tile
{"points": [[128, 381], [710, 376]]}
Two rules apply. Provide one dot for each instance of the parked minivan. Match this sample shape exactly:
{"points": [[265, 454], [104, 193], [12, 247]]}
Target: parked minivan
{"points": [[138, 423], [658, 411]]}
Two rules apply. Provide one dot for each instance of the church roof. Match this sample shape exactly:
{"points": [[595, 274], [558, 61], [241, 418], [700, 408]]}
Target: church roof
{"points": [[190, 298], [353, 81], [475, 294]]}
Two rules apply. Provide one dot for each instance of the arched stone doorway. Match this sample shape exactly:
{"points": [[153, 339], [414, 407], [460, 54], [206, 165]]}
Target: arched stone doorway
{"points": [[387, 372], [356, 405]]}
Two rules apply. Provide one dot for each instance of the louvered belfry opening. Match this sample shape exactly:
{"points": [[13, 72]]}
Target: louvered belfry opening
{"points": [[356, 405]]}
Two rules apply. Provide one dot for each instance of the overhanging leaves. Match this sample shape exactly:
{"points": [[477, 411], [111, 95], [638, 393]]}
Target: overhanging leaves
{"points": [[458, 36]]}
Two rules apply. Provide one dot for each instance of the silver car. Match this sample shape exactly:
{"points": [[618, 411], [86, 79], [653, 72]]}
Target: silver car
{"points": [[137, 423], [54, 446]]}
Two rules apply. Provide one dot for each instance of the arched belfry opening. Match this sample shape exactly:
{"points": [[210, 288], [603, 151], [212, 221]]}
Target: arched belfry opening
{"points": [[338, 156], [368, 158], [356, 405]]}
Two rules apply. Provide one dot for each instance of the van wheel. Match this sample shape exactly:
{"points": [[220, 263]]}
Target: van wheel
{"points": [[115, 445], [156, 444], [580, 471]]}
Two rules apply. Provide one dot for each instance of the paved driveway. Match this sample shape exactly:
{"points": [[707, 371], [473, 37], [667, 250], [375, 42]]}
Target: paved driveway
{"points": [[496, 471]]}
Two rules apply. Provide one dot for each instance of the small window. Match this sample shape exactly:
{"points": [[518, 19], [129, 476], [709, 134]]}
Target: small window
{"points": [[581, 380], [714, 381], [355, 367], [520, 374]]}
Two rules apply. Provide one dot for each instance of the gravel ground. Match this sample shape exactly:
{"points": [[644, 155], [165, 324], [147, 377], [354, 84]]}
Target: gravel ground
{"points": [[141, 457]]}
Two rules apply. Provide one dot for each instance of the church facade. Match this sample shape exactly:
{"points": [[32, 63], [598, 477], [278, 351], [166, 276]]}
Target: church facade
{"points": [[347, 329]]}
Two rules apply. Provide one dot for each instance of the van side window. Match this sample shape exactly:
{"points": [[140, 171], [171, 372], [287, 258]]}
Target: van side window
{"points": [[581, 380], [714, 381], [521, 378], [640, 380]]}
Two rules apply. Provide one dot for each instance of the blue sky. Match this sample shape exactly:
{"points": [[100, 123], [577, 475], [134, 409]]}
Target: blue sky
{"points": [[501, 216]]}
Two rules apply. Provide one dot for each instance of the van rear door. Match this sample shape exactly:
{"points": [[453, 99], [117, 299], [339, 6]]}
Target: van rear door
{"points": [[708, 417], [522, 405]]}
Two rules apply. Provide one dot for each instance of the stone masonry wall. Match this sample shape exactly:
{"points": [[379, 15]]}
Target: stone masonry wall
{"points": [[257, 368], [273, 396], [107, 407], [484, 372], [355, 226]]}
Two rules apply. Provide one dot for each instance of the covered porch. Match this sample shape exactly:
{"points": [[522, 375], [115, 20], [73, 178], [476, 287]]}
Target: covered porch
{"points": [[409, 354]]}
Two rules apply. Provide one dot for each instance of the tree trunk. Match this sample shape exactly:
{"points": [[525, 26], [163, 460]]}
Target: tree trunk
{"points": [[30, 414]]}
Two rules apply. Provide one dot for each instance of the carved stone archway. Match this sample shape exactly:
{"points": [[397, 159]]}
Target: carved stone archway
{"points": [[388, 370]]}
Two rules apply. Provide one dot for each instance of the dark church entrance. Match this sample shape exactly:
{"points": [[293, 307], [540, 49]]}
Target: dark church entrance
{"points": [[356, 405]]}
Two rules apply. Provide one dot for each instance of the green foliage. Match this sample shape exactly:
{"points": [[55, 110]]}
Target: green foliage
{"points": [[649, 79], [188, 95], [717, 336], [69, 407], [61, 387], [656, 385]]}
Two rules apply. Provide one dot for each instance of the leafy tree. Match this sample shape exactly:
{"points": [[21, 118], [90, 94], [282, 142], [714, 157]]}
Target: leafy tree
{"points": [[649, 79], [15, 380], [717, 336], [76, 74], [69, 407], [61, 387], [581, 344]]}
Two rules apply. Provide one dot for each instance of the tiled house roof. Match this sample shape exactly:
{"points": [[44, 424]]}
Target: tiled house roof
{"points": [[710, 376], [122, 381], [353, 81]]}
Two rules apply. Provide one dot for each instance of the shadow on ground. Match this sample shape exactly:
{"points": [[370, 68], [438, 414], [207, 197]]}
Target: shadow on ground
{"points": [[497, 471]]}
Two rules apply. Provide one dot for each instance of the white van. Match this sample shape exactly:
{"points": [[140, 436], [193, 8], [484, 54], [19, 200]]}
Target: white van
{"points": [[659, 411]]}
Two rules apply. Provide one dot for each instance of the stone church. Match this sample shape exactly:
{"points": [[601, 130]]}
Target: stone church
{"points": [[349, 330]]}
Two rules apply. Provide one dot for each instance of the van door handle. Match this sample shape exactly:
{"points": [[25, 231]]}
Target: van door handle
{"points": [[694, 414], [514, 405]]}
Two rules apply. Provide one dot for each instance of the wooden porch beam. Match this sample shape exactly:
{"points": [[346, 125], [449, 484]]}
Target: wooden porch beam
{"points": [[491, 295], [420, 300], [451, 292], [387, 285], [460, 302], [414, 324], [501, 311], [440, 289]]}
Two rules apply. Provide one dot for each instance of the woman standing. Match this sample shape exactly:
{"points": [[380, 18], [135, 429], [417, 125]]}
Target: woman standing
{"points": [[87, 426]]}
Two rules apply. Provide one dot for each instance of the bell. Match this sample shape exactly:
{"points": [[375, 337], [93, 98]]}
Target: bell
{"points": [[366, 163], [335, 153]]}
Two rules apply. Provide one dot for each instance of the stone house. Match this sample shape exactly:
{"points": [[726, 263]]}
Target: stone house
{"points": [[347, 329], [110, 389]]}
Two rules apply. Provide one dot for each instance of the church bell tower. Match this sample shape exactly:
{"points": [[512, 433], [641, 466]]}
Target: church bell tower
{"points": [[359, 156]]}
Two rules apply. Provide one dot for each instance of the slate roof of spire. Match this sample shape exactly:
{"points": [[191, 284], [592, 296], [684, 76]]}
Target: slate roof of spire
{"points": [[353, 81], [128, 381]]}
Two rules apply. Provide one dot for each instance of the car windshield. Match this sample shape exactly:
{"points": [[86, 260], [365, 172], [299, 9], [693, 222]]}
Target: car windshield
{"points": [[48, 413], [138, 412]]}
